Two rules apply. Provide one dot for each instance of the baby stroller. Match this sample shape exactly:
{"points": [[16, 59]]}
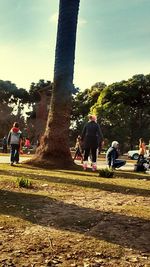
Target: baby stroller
{"points": [[142, 165]]}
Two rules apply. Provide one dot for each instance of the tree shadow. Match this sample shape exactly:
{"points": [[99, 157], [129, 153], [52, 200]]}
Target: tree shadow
{"points": [[89, 172], [77, 168], [118, 173], [126, 231], [132, 175], [87, 184]]}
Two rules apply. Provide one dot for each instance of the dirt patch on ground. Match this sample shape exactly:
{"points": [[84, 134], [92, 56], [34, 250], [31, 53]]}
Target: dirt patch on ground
{"points": [[74, 223]]}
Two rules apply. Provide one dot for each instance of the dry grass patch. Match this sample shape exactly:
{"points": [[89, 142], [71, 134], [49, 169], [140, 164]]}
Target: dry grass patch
{"points": [[73, 218]]}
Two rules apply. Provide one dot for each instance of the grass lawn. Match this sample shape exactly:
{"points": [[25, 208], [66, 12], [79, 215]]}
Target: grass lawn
{"points": [[74, 218]]}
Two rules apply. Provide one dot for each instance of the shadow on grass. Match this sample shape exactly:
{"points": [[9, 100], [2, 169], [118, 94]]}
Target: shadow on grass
{"points": [[132, 175], [118, 173], [87, 184], [127, 231]]}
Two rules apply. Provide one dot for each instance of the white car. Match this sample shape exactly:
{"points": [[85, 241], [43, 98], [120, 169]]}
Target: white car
{"points": [[134, 154]]}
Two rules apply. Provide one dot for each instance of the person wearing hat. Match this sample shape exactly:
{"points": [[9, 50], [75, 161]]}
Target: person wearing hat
{"points": [[112, 156], [91, 137]]}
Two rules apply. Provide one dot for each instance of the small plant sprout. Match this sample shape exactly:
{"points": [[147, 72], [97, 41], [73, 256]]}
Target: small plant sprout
{"points": [[23, 182]]}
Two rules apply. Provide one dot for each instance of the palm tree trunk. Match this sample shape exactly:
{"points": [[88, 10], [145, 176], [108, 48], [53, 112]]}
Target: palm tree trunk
{"points": [[54, 148]]}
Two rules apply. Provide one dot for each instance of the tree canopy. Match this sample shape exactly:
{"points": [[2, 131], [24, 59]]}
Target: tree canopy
{"points": [[123, 108]]}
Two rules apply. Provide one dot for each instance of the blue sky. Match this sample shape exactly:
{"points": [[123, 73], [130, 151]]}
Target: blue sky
{"points": [[113, 40]]}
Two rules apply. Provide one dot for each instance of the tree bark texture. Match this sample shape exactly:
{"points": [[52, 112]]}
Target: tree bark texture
{"points": [[54, 147]]}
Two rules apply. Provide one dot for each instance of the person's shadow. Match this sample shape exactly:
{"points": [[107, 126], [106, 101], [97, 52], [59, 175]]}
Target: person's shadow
{"points": [[127, 231]]}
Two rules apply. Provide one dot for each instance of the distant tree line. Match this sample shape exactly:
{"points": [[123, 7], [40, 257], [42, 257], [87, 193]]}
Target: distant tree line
{"points": [[14, 103], [122, 108]]}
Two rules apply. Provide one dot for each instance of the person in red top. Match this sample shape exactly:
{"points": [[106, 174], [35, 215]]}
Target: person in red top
{"points": [[142, 149], [27, 144], [14, 139]]}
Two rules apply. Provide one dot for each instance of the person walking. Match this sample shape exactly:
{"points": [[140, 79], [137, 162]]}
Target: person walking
{"points": [[112, 155], [14, 139], [4, 144], [78, 149], [91, 137], [27, 145]]}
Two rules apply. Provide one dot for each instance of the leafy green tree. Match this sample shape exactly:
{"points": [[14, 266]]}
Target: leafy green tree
{"points": [[10, 94], [37, 92], [34, 91], [84, 100], [82, 103], [12, 104], [124, 110]]}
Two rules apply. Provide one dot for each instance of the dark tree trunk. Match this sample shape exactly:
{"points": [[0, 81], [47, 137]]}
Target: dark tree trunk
{"points": [[54, 149]]}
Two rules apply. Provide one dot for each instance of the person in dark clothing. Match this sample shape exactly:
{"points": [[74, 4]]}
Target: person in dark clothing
{"points": [[14, 139], [92, 137], [112, 155], [4, 145]]}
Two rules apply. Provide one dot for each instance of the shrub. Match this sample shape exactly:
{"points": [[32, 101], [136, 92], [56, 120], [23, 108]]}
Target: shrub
{"points": [[106, 173], [23, 182]]}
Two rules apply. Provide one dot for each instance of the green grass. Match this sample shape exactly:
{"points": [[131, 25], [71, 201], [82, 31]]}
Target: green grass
{"points": [[108, 216]]}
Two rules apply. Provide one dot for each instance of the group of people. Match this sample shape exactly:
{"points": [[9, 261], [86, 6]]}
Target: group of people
{"points": [[90, 141], [15, 139], [88, 145]]}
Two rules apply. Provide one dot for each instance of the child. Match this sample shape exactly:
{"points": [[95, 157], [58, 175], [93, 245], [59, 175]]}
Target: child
{"points": [[27, 145], [4, 144], [78, 147]]}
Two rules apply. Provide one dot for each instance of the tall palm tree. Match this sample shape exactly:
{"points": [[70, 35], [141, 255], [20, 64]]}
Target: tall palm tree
{"points": [[54, 148]]}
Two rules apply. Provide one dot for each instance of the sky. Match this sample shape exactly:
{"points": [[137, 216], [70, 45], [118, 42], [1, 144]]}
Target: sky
{"points": [[113, 41]]}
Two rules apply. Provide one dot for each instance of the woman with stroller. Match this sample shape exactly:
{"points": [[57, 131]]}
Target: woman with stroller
{"points": [[142, 162]]}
